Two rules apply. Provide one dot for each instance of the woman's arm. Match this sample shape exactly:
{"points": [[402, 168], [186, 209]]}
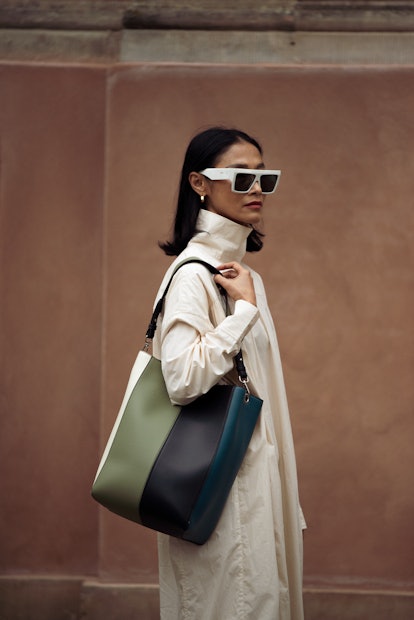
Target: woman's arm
{"points": [[195, 353]]}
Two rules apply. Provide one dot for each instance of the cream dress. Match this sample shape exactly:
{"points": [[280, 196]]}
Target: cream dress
{"points": [[251, 567]]}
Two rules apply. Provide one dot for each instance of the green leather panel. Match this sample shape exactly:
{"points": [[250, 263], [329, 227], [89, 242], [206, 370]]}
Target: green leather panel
{"points": [[146, 423]]}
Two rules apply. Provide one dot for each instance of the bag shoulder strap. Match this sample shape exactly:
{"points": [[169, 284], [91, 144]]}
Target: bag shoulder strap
{"points": [[160, 303], [238, 359]]}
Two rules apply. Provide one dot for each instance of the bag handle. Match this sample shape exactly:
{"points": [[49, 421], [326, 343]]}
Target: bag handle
{"points": [[238, 359]]}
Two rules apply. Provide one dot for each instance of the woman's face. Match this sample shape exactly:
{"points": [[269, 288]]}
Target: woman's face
{"points": [[242, 208]]}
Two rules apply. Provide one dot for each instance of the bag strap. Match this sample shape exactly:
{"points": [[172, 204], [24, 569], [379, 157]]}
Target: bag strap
{"points": [[160, 303], [238, 359]]}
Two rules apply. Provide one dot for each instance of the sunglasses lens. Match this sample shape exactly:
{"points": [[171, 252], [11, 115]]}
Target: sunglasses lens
{"points": [[243, 181], [268, 183]]}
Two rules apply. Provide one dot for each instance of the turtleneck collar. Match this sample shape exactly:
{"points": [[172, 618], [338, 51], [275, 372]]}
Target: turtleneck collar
{"points": [[221, 237]]}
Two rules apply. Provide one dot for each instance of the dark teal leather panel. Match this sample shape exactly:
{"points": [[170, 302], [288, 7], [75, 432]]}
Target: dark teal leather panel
{"points": [[240, 423]]}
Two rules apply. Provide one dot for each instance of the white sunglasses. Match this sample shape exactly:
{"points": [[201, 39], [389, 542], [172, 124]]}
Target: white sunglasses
{"points": [[243, 179]]}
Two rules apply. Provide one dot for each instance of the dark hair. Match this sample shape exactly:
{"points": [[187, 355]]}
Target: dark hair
{"points": [[202, 152]]}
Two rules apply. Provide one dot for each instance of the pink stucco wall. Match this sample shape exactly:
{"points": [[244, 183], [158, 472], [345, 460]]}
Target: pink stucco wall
{"points": [[90, 158]]}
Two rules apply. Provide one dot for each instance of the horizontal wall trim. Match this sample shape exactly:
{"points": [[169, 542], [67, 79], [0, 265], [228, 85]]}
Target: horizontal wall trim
{"points": [[59, 46], [267, 48], [206, 47], [299, 15], [58, 598]]}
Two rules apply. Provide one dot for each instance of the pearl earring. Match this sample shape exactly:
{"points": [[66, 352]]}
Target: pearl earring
{"points": [[202, 199]]}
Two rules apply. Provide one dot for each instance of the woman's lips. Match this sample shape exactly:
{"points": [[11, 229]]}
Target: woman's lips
{"points": [[255, 204]]}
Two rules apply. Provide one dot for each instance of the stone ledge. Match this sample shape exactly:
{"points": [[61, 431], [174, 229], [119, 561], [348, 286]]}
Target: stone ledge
{"points": [[311, 15], [36, 598], [206, 47], [355, 605], [271, 48], [66, 598], [63, 598], [119, 602], [59, 46]]}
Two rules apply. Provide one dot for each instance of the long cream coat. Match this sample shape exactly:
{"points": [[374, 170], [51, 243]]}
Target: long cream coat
{"points": [[251, 568]]}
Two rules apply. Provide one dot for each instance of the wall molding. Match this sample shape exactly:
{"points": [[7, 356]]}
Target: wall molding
{"points": [[186, 47], [268, 48], [59, 598], [280, 32], [270, 15]]}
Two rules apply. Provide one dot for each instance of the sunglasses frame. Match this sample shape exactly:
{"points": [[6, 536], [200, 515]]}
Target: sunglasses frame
{"points": [[230, 174]]}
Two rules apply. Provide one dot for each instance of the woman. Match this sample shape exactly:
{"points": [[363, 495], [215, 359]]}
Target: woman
{"points": [[251, 567]]}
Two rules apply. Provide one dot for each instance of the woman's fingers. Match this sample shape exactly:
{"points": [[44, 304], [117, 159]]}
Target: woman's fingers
{"points": [[237, 281], [232, 265], [229, 273]]}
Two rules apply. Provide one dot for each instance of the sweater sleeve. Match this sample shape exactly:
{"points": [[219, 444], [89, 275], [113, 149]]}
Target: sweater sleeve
{"points": [[195, 353]]}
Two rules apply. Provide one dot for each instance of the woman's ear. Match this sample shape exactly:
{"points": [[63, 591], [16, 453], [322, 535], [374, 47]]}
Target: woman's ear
{"points": [[198, 183]]}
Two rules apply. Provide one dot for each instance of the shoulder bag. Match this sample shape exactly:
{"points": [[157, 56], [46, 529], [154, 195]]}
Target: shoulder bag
{"points": [[170, 467]]}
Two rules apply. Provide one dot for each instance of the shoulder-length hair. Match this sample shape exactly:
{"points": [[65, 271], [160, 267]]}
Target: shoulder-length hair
{"points": [[203, 152]]}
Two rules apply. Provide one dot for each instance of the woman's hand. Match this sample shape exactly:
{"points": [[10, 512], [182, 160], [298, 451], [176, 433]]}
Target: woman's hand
{"points": [[237, 282]]}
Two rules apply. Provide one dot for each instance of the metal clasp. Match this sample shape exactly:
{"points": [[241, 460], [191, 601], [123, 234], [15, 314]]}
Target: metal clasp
{"points": [[245, 381]]}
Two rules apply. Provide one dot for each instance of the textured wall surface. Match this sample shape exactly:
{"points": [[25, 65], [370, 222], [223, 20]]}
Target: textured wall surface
{"points": [[90, 158], [51, 192], [338, 265]]}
